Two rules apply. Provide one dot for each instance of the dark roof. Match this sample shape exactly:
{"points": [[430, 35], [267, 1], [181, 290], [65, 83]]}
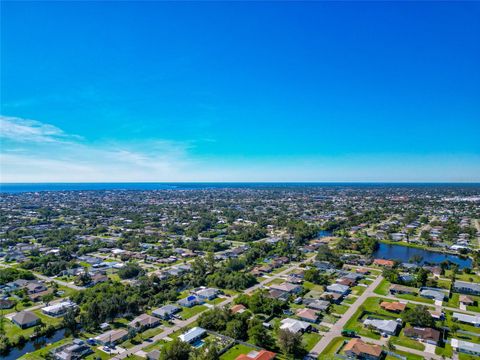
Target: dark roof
{"points": [[25, 317]]}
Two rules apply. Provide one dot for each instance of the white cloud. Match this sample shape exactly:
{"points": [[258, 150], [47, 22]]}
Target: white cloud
{"points": [[25, 130]]}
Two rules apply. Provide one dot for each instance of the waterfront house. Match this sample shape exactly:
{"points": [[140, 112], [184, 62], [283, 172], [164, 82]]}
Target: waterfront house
{"points": [[112, 337], [58, 309], [384, 263], [25, 319], [77, 349]]}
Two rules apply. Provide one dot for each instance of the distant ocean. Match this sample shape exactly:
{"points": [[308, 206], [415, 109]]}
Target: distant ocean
{"points": [[36, 187]]}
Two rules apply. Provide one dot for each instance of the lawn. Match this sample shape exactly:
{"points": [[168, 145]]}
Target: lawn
{"points": [[454, 300], [276, 281], [235, 351], [446, 351], [310, 339], [402, 340], [358, 290], [403, 353], [382, 288], [187, 313], [12, 331], [339, 309], [42, 353], [332, 348], [415, 298]]}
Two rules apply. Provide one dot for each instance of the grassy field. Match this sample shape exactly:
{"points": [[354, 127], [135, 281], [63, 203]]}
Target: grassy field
{"points": [[407, 342], [382, 288], [310, 339], [235, 351], [187, 313], [331, 349]]}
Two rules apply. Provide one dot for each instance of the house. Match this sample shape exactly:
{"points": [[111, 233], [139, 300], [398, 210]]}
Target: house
{"points": [[435, 294], [190, 301], [25, 319], [466, 300], [165, 312], [466, 287], [356, 348], [465, 347], [58, 309], [287, 287], [437, 315], [468, 319], [294, 326], [257, 355], [98, 278], [384, 326], [193, 334], [153, 355], [75, 350], [112, 337], [395, 306], [428, 335], [320, 305], [144, 321], [331, 296], [6, 304], [339, 289], [207, 293], [238, 309], [277, 294], [307, 315], [345, 281], [400, 289], [383, 262]]}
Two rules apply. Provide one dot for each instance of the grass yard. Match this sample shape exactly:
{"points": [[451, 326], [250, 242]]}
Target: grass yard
{"points": [[235, 351], [332, 348], [415, 298], [358, 290], [407, 342], [276, 281], [446, 351], [42, 353], [406, 354], [339, 309], [187, 313], [310, 339], [382, 288]]}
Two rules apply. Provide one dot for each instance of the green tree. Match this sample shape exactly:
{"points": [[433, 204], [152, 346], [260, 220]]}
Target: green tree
{"points": [[177, 350]]}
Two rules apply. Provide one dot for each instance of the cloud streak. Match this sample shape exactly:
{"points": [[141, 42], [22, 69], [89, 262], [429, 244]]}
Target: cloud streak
{"points": [[26, 130]]}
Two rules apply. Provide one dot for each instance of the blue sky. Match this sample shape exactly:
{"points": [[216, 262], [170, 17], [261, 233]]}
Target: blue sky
{"points": [[298, 91]]}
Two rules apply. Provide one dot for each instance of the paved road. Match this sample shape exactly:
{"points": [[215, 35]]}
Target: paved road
{"points": [[46, 278], [184, 323], [336, 329]]}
